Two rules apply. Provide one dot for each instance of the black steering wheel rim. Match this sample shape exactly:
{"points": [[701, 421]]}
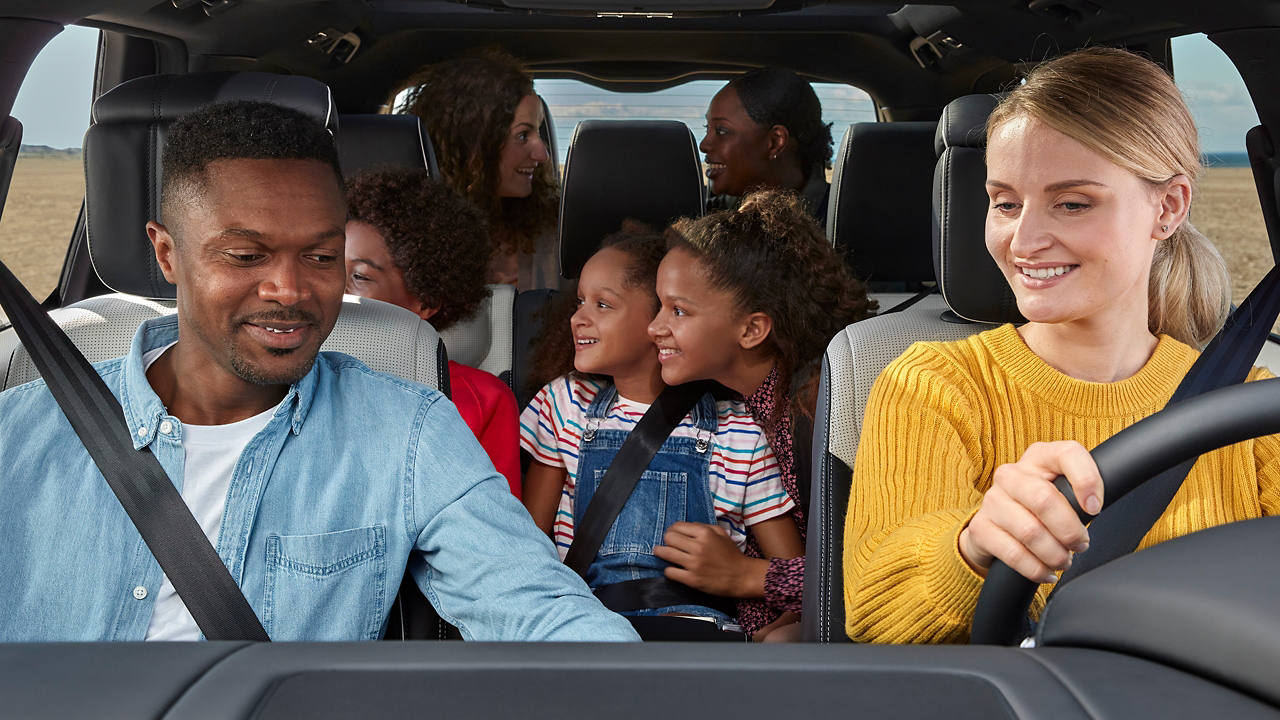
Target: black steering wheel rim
{"points": [[1127, 459]]}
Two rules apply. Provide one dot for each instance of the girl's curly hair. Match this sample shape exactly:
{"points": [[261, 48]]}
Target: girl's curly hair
{"points": [[773, 258], [553, 351], [436, 238], [467, 105]]}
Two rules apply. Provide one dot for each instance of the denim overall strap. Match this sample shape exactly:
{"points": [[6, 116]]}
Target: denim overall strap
{"points": [[675, 486], [600, 404], [598, 411]]}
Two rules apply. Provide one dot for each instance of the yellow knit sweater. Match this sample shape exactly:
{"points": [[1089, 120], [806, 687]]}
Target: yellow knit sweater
{"points": [[943, 416]]}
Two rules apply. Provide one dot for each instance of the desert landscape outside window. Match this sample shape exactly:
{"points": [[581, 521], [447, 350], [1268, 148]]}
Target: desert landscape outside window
{"points": [[48, 180], [1226, 209]]}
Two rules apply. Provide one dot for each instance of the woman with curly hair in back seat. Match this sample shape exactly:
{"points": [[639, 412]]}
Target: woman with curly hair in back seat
{"points": [[765, 130], [1091, 165], [483, 117], [415, 243]]}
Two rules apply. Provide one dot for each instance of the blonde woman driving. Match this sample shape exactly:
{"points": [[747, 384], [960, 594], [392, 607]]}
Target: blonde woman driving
{"points": [[1091, 168]]}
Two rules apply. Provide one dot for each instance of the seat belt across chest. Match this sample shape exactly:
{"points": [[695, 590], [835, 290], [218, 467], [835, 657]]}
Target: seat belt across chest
{"points": [[135, 476]]}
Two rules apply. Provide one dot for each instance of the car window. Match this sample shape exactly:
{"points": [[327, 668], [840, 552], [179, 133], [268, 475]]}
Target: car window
{"points": [[1226, 207], [48, 182], [572, 101]]}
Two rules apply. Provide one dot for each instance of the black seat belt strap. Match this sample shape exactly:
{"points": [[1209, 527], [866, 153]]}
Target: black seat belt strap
{"points": [[1226, 361], [620, 479], [657, 592], [136, 477]]}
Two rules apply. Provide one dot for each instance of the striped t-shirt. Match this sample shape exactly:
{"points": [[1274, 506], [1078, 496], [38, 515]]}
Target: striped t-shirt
{"points": [[745, 485]]}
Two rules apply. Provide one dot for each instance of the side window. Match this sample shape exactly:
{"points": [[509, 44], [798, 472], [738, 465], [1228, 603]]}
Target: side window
{"points": [[1226, 207], [48, 181], [572, 101]]}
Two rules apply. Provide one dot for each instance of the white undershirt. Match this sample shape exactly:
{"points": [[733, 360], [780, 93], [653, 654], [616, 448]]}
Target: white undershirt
{"points": [[211, 452]]}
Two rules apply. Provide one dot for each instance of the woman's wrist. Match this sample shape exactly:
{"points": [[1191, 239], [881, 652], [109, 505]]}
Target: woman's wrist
{"points": [[964, 544]]}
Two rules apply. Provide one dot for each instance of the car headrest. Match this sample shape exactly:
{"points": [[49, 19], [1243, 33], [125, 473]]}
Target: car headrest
{"points": [[645, 170], [369, 142], [122, 151], [969, 279], [880, 198]]}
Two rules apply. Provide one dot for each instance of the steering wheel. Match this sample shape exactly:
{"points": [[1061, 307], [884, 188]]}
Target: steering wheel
{"points": [[1127, 459]]}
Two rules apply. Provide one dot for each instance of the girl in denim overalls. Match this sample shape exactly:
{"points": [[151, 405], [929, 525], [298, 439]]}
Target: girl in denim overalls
{"points": [[715, 468]]}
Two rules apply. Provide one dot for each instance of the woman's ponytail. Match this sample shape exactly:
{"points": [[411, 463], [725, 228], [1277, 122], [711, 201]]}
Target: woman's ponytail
{"points": [[1190, 288]]}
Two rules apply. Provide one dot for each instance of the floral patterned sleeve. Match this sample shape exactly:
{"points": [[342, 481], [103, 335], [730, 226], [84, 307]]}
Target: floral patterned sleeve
{"points": [[784, 584]]}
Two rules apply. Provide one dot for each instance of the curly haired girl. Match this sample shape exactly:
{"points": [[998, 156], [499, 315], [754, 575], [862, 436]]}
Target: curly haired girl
{"points": [[715, 467], [483, 118], [750, 299]]}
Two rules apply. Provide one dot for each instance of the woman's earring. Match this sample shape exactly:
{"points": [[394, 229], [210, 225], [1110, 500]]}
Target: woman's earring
{"points": [[1164, 228]]}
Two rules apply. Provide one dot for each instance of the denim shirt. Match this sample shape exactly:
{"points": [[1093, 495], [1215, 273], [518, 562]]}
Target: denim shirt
{"points": [[356, 474]]}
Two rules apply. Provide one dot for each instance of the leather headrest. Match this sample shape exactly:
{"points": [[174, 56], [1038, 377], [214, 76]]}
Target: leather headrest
{"points": [[122, 152], [970, 281], [369, 142], [645, 170], [880, 198], [964, 122]]}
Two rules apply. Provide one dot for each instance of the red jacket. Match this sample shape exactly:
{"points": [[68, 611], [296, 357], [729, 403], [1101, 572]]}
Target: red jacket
{"points": [[488, 407]]}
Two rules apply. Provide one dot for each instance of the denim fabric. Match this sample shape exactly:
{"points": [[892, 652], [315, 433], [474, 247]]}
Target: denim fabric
{"points": [[675, 487], [356, 474]]}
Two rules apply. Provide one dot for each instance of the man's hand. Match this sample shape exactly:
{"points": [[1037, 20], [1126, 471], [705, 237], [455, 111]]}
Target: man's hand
{"points": [[1025, 521], [704, 558]]}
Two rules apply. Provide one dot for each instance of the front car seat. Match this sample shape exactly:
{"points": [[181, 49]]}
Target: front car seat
{"points": [[977, 297]]}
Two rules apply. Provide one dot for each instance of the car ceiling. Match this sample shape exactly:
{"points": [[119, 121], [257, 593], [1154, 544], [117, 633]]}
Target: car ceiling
{"points": [[866, 43]]}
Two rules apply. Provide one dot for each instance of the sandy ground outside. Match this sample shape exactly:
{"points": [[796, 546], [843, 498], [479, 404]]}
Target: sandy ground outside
{"points": [[45, 196]]}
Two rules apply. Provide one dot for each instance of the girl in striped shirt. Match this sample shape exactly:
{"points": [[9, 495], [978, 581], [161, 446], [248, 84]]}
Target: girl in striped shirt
{"points": [[716, 467]]}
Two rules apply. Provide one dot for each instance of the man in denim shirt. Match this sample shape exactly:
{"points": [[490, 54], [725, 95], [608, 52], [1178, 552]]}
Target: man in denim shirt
{"points": [[316, 479]]}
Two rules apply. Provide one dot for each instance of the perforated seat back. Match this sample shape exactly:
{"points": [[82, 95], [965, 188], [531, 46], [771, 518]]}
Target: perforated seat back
{"points": [[855, 357], [103, 328], [484, 340], [881, 190]]}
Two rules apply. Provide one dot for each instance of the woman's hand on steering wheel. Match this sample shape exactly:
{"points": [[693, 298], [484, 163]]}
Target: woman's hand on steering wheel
{"points": [[1025, 521], [705, 558]]}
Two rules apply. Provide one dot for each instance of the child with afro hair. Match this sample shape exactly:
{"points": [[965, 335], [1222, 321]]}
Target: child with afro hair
{"points": [[416, 243]]}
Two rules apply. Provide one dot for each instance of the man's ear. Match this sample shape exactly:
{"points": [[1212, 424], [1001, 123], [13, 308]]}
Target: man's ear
{"points": [[166, 249], [755, 330]]}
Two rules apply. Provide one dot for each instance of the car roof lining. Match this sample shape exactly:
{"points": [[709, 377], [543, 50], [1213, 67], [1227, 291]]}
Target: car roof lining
{"points": [[868, 50]]}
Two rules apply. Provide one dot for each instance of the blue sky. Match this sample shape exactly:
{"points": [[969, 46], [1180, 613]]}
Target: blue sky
{"points": [[53, 103]]}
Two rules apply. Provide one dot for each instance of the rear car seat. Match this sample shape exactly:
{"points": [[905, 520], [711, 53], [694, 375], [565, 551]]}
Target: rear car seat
{"points": [[122, 153], [368, 142], [644, 170], [977, 296], [879, 214]]}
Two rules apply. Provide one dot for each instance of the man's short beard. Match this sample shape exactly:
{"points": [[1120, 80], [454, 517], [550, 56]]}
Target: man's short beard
{"points": [[252, 374]]}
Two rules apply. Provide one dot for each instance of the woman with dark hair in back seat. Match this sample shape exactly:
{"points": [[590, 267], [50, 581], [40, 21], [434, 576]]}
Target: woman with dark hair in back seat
{"points": [[765, 130], [483, 117]]}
